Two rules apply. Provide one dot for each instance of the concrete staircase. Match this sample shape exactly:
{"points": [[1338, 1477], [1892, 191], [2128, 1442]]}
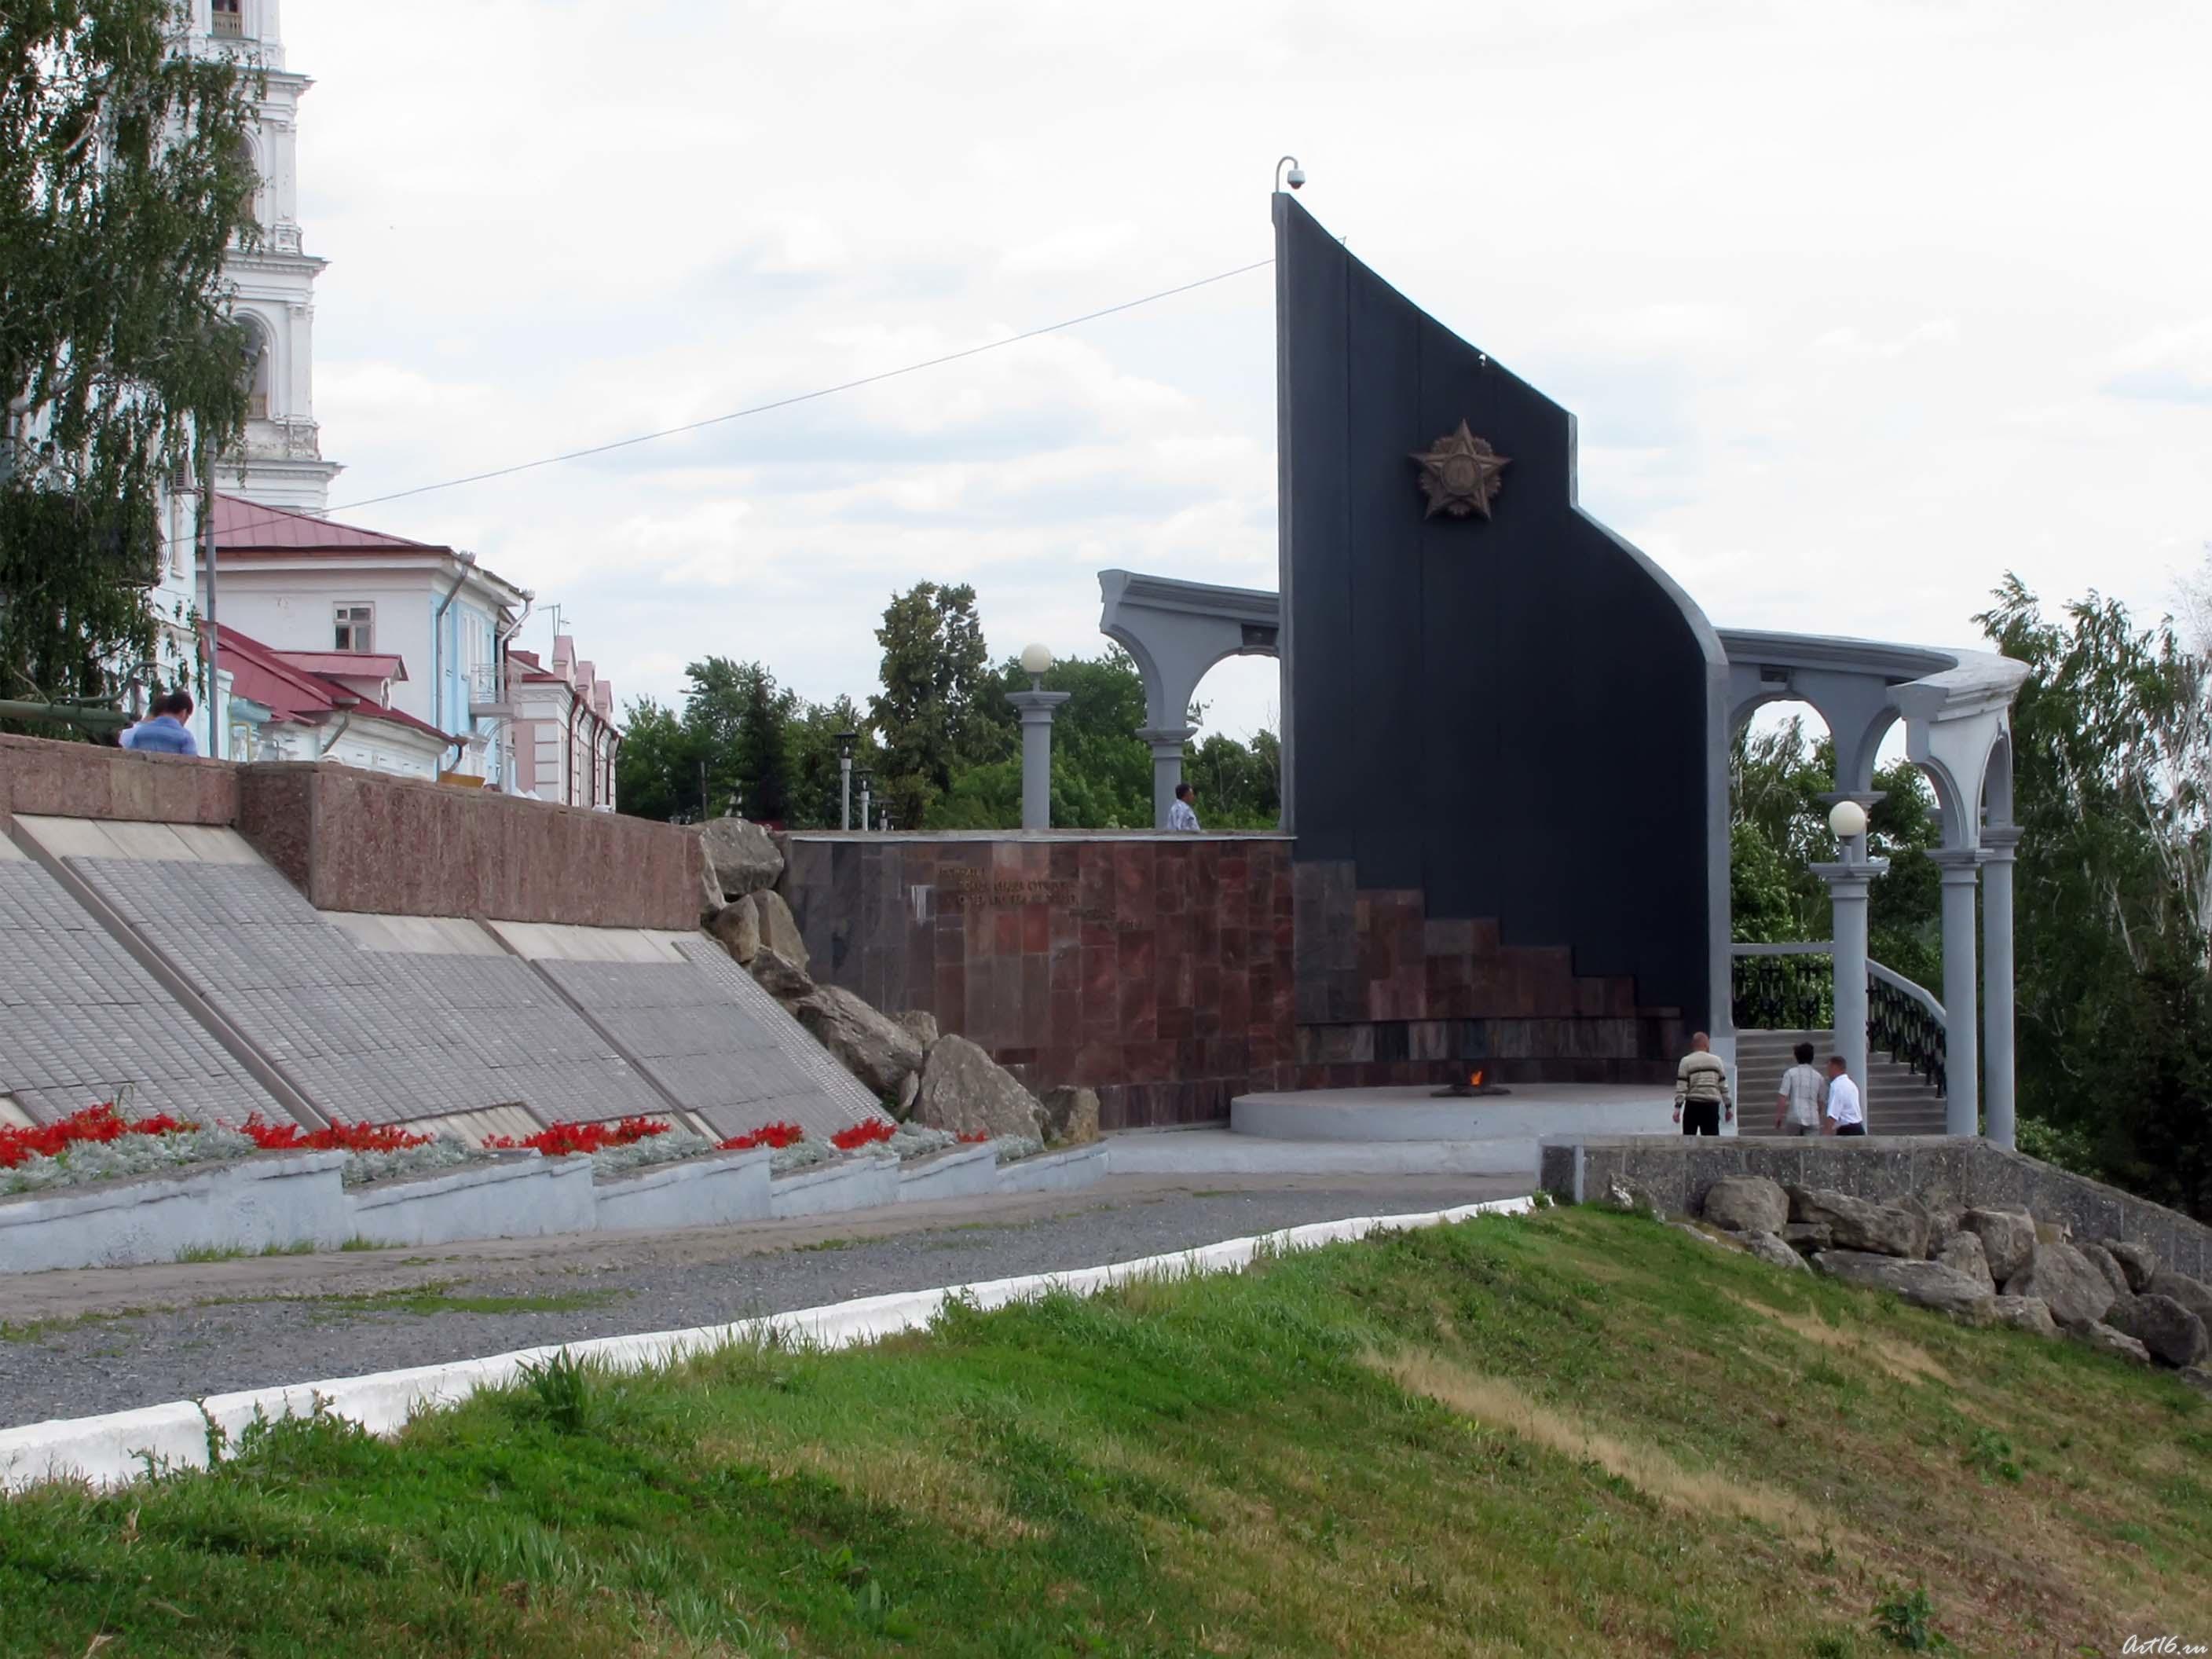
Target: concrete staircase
{"points": [[1899, 1101]]}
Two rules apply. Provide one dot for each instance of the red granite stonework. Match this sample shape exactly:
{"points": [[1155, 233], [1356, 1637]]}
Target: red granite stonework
{"points": [[1386, 995], [1154, 970]]}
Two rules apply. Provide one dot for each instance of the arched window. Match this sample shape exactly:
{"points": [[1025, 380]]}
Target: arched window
{"points": [[257, 367], [227, 19]]}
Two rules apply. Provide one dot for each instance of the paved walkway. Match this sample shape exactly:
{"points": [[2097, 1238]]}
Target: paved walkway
{"points": [[101, 1339]]}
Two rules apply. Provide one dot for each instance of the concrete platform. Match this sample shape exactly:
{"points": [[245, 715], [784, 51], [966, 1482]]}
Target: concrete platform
{"points": [[1530, 1111]]}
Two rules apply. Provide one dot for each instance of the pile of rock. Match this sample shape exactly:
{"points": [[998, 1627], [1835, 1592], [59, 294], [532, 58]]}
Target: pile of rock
{"points": [[1983, 1265], [940, 1082]]}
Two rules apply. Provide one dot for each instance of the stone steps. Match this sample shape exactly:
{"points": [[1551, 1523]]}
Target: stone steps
{"points": [[1898, 1100]]}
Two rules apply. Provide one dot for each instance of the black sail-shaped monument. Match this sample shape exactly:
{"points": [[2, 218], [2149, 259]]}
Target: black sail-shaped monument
{"points": [[1498, 715]]}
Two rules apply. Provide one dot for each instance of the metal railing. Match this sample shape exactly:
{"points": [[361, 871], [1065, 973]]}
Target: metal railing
{"points": [[1792, 988]]}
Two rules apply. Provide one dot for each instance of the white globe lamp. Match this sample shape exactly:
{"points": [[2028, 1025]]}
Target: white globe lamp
{"points": [[1847, 819], [1037, 661]]}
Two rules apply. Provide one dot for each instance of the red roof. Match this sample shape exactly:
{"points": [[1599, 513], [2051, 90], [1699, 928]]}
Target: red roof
{"points": [[240, 523], [296, 695]]}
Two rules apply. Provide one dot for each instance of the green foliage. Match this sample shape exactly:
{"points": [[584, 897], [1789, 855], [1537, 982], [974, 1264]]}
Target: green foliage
{"points": [[124, 179], [561, 1389], [930, 716], [653, 764], [1908, 1622], [1992, 1453], [2111, 754]]}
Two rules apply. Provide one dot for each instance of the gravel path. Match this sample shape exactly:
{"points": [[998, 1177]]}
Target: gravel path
{"points": [[82, 1343]]}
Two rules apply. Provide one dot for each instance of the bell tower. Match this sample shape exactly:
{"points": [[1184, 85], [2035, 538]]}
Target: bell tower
{"points": [[280, 463]]}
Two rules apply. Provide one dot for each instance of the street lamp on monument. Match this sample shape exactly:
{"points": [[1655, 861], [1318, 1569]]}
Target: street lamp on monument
{"points": [[845, 742]]}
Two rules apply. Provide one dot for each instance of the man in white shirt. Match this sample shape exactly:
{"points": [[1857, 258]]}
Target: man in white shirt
{"points": [[1182, 815], [1846, 1116], [1797, 1106]]}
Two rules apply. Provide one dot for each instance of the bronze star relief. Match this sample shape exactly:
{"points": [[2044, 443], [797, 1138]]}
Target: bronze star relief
{"points": [[1460, 475]]}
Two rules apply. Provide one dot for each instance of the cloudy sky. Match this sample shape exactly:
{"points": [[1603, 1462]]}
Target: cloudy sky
{"points": [[1859, 306]]}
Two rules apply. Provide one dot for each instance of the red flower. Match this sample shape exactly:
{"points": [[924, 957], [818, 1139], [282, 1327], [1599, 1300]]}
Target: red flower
{"points": [[564, 1139], [777, 1135], [98, 1124], [862, 1135], [337, 1137], [976, 1138]]}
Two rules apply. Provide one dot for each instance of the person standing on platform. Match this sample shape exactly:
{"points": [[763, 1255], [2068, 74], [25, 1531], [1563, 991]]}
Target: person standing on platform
{"points": [[1797, 1107], [1701, 1089], [1182, 815], [1846, 1115]]}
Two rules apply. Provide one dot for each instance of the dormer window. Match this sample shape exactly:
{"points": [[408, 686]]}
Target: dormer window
{"points": [[229, 19]]}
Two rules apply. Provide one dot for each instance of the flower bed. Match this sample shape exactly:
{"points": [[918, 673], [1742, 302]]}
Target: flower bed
{"points": [[99, 1144], [629, 1143], [375, 1151]]}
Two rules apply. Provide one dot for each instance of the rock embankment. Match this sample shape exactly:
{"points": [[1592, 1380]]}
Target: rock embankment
{"points": [[1987, 1265]]}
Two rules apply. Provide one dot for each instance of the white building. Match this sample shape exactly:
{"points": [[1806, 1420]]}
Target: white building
{"points": [[274, 283], [565, 738], [335, 599]]}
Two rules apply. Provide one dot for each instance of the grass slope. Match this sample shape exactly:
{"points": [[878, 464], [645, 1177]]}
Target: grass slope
{"points": [[1579, 1433]]}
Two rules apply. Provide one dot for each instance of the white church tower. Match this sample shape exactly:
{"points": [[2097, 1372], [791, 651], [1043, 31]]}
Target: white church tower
{"points": [[275, 283]]}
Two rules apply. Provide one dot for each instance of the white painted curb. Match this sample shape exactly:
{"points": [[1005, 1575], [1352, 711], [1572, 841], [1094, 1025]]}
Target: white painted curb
{"points": [[114, 1449]]}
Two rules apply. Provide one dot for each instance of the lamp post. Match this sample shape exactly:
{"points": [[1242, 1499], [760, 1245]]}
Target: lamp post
{"points": [[863, 796], [1847, 880], [845, 742], [1036, 706]]}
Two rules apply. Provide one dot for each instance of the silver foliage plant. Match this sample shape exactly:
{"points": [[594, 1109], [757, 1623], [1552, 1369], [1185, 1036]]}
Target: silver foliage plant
{"points": [[86, 1161]]}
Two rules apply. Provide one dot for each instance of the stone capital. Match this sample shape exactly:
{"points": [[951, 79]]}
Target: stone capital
{"points": [[1960, 865], [1999, 843], [1850, 881], [1868, 798], [1037, 707]]}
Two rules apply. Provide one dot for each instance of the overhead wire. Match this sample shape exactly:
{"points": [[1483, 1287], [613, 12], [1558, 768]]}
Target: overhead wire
{"points": [[773, 403]]}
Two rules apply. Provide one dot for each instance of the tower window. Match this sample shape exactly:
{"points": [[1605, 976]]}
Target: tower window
{"points": [[229, 22], [356, 627]]}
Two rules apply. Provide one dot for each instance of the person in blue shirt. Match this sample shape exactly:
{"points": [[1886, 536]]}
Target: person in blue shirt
{"points": [[164, 732], [1182, 815]]}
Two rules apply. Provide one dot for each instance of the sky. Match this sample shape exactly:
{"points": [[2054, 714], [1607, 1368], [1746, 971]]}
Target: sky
{"points": [[1858, 307]]}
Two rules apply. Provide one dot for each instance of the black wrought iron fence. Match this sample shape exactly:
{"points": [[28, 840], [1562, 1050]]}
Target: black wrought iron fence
{"points": [[1900, 1022], [1778, 991]]}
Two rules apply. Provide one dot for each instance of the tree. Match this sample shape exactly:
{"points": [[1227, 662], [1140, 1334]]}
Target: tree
{"points": [[765, 744], [125, 176], [655, 776], [934, 670], [817, 781]]}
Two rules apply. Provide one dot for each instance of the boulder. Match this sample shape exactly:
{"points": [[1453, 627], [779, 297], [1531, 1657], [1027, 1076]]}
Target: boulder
{"points": [[739, 928], [1770, 1249], [1748, 1204], [1808, 1235], [778, 929], [2192, 1293], [2007, 1238], [1857, 1224], [2078, 1294], [909, 1090], [2025, 1313], [2137, 1262], [922, 1024], [2118, 1344], [2162, 1325], [780, 977], [1940, 1210], [2102, 1260], [1963, 1250], [1923, 1284], [1632, 1199], [744, 856], [2197, 1378], [711, 896], [965, 1090], [880, 1052], [1071, 1116]]}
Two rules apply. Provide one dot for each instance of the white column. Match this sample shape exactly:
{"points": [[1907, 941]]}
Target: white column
{"points": [[1960, 866], [1847, 903], [1998, 841], [1166, 743], [1036, 709]]}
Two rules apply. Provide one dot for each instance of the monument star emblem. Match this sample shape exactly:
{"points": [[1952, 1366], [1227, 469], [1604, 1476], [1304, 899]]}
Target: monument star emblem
{"points": [[1460, 474]]}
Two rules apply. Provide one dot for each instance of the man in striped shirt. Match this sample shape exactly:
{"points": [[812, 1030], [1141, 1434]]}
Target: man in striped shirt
{"points": [[1701, 1089]]}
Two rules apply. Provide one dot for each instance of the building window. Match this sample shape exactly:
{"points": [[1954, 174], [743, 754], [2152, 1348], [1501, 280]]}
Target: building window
{"points": [[229, 22], [356, 627]]}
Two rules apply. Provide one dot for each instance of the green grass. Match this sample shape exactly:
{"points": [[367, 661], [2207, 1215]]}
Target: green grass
{"points": [[1576, 1434], [37, 1330], [240, 1253], [358, 1243], [437, 1298]]}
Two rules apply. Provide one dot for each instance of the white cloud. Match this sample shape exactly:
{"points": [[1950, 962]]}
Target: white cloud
{"points": [[1844, 345]]}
